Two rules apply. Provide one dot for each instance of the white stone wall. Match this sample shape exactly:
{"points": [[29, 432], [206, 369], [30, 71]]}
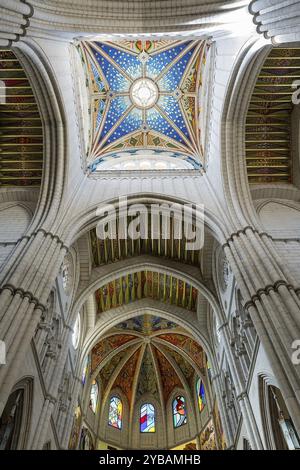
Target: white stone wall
{"points": [[14, 220]]}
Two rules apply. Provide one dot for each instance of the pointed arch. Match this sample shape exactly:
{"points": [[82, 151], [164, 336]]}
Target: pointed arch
{"points": [[16, 417]]}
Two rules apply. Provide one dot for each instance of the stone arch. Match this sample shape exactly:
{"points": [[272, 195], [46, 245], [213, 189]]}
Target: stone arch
{"points": [[233, 159], [287, 218], [187, 431], [87, 219], [273, 409], [200, 416], [101, 276], [144, 441], [47, 94], [18, 410], [107, 433]]}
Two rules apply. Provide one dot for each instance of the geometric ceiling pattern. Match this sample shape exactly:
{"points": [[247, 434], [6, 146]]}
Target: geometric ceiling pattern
{"points": [[21, 137], [268, 124], [144, 95], [147, 355], [146, 284]]}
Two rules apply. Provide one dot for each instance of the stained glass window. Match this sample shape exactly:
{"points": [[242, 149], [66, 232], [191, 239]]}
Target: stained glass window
{"points": [[147, 418], [179, 412], [85, 370], [201, 395], [115, 413], [94, 396]]}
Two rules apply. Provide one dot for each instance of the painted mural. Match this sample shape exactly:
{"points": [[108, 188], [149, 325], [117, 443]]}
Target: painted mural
{"points": [[124, 381], [74, 437], [189, 346], [208, 437], [143, 97], [169, 377], [106, 346], [146, 284]]}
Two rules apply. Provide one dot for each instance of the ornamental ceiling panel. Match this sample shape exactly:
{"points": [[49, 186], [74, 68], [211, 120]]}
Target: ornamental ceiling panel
{"points": [[146, 284], [125, 379], [169, 375], [107, 250], [185, 367], [147, 324], [108, 369], [144, 100], [21, 137], [188, 345], [106, 346], [147, 381], [147, 364], [269, 119]]}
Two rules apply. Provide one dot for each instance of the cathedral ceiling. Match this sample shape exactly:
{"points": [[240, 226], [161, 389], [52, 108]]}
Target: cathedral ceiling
{"points": [[21, 137], [268, 125], [147, 354], [146, 284], [143, 101], [106, 250]]}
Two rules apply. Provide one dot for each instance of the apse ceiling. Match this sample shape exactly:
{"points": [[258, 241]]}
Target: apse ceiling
{"points": [[144, 104], [147, 354]]}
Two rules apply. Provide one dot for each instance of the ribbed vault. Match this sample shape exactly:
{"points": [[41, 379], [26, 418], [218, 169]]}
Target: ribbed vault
{"points": [[147, 355]]}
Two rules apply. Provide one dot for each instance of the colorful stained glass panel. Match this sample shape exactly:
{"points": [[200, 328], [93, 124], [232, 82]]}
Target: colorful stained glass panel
{"points": [[147, 418], [201, 395], [179, 412], [115, 413]]}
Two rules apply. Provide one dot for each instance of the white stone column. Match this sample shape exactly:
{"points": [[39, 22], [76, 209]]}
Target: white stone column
{"points": [[14, 20], [273, 305], [278, 20], [23, 300]]}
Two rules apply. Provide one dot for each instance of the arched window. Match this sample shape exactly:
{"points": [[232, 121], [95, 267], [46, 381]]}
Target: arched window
{"points": [[147, 418], [179, 412], [76, 332], [85, 369], [10, 421], [65, 274], [115, 413], [94, 396], [200, 395]]}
